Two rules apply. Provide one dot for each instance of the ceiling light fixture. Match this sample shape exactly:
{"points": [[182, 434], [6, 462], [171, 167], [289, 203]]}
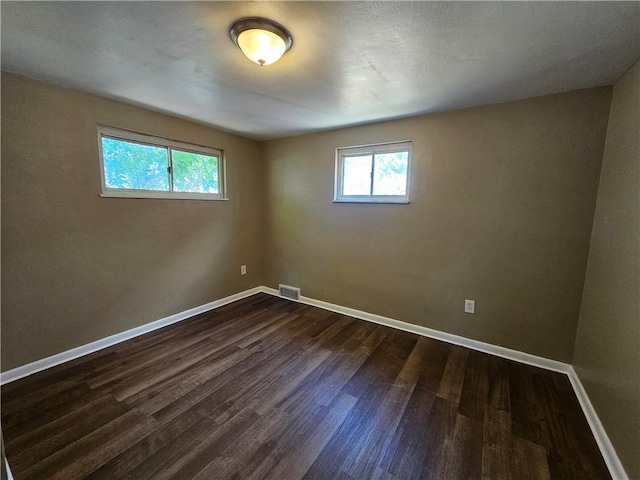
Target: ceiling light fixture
{"points": [[263, 41]]}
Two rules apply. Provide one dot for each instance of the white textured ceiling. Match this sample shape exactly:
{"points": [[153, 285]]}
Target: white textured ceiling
{"points": [[351, 62]]}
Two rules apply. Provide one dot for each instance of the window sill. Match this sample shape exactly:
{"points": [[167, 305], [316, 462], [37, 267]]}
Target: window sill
{"points": [[163, 196], [400, 201]]}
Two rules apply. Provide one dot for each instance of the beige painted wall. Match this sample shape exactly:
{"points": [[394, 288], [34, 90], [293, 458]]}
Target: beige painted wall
{"points": [[77, 267], [502, 202], [607, 349]]}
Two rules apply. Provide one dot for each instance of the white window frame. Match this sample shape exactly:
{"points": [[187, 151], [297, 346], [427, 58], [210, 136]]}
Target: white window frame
{"points": [[126, 135], [389, 147]]}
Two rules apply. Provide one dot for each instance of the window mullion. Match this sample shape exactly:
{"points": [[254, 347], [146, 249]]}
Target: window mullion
{"points": [[373, 169], [340, 176], [170, 168]]}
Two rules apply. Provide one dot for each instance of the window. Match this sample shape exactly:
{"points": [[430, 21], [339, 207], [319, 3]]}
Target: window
{"points": [[142, 166], [373, 173]]}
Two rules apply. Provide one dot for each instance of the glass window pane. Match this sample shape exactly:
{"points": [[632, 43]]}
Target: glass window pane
{"points": [[390, 173], [134, 166], [194, 172], [356, 179]]}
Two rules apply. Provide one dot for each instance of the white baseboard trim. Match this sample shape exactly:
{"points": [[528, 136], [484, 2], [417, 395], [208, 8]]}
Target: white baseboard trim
{"points": [[602, 439], [52, 361], [497, 350], [9, 474]]}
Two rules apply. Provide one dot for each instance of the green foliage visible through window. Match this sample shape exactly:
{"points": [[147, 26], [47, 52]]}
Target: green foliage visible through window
{"points": [[194, 172], [390, 173], [135, 166]]}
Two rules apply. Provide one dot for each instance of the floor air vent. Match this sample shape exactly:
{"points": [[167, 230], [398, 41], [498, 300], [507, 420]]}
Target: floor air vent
{"points": [[289, 292]]}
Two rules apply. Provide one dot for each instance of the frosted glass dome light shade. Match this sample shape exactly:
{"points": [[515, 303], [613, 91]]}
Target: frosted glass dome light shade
{"points": [[262, 41], [261, 46]]}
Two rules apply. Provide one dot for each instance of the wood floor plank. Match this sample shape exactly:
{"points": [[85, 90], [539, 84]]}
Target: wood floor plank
{"points": [[129, 366], [190, 421], [198, 383], [58, 414], [528, 419], [325, 383], [498, 384], [266, 388], [281, 386], [464, 457], [417, 447], [275, 353], [73, 371], [189, 378], [298, 427], [497, 444], [66, 430], [452, 379], [31, 410], [363, 462], [564, 439], [21, 403], [475, 388], [529, 461], [370, 385], [211, 445], [243, 448], [91, 451], [294, 465]]}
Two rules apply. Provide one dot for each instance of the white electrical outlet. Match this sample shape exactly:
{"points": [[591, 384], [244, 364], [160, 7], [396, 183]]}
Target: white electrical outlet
{"points": [[243, 270], [469, 306]]}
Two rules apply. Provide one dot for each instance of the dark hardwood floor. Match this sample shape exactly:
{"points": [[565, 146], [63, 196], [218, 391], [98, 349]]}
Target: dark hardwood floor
{"points": [[267, 388]]}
